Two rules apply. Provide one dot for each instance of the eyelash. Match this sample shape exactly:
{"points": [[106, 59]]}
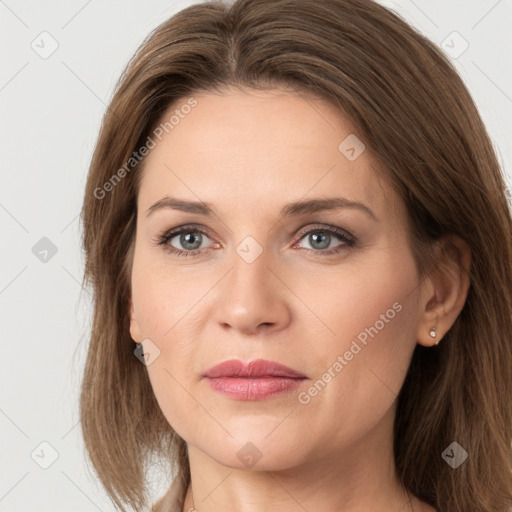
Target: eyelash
{"points": [[348, 239]]}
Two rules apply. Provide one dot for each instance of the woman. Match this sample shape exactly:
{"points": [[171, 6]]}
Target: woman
{"points": [[337, 335]]}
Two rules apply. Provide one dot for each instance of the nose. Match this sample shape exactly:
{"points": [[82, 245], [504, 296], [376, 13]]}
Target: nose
{"points": [[252, 297]]}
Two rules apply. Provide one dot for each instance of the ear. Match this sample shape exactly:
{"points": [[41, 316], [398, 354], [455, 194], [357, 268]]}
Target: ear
{"points": [[445, 290], [135, 331]]}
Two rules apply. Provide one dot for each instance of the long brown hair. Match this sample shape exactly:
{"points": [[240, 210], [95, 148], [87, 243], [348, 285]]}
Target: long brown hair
{"points": [[412, 109]]}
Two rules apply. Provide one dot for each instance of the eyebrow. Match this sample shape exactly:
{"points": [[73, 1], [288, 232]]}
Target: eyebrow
{"points": [[292, 209]]}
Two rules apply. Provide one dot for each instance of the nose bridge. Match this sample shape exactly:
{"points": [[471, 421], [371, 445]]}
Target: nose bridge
{"points": [[251, 294], [250, 280]]}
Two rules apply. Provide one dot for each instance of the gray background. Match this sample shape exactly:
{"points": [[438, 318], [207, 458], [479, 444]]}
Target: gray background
{"points": [[50, 110]]}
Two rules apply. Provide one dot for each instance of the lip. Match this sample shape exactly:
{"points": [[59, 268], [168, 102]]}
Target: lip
{"points": [[254, 380], [257, 368]]}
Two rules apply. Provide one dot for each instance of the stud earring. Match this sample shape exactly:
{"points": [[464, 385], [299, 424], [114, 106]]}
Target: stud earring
{"points": [[433, 335]]}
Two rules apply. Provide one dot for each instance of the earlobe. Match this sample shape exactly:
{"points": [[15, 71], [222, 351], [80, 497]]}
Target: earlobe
{"points": [[134, 324], [447, 293]]}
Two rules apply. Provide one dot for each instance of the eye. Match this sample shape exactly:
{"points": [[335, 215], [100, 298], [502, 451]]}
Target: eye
{"points": [[190, 238], [320, 239]]}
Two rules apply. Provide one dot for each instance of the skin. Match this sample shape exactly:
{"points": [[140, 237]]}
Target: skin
{"points": [[249, 153]]}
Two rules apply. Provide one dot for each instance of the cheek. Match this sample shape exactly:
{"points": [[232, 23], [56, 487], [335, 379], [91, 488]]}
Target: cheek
{"points": [[376, 322], [361, 365], [163, 295], [166, 306], [371, 302], [174, 399]]}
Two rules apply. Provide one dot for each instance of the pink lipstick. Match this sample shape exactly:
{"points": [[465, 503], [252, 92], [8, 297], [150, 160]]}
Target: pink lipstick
{"points": [[255, 380]]}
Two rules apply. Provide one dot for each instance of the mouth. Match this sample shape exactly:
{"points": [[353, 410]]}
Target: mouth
{"points": [[255, 380]]}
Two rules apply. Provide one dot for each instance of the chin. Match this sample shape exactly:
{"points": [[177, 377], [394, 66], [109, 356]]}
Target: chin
{"points": [[255, 449]]}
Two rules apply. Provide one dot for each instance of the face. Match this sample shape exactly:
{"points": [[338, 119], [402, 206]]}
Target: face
{"points": [[331, 292]]}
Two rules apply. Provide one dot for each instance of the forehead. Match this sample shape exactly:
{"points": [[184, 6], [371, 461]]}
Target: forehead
{"points": [[256, 148]]}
